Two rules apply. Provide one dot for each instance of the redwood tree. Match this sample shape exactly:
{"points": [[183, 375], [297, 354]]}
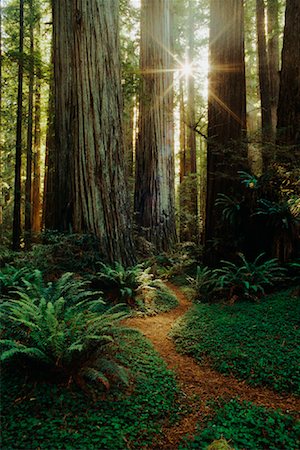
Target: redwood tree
{"points": [[288, 125], [226, 111], [154, 190], [100, 196], [17, 184]]}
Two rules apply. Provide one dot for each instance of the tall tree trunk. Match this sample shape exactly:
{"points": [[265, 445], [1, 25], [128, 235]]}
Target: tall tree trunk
{"points": [[28, 184], [288, 125], [154, 192], [100, 194], [273, 54], [183, 162], [191, 136], [36, 194], [1, 142], [49, 179], [264, 82], [60, 173], [226, 113], [17, 184]]}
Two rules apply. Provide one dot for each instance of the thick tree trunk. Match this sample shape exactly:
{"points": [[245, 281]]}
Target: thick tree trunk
{"points": [[17, 184], [263, 70], [182, 162], [154, 192], [28, 184], [273, 54], [288, 125], [100, 194], [226, 112]]}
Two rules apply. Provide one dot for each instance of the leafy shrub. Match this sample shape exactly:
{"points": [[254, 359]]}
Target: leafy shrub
{"points": [[59, 252], [180, 261], [257, 342], [248, 278], [70, 341], [124, 284], [247, 426]]}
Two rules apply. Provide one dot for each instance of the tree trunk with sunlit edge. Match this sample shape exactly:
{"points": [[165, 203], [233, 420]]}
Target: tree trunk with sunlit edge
{"points": [[226, 115], [100, 193], [154, 191]]}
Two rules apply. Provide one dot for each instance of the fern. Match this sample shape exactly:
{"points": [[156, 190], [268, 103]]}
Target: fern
{"points": [[71, 340], [249, 278], [127, 282]]}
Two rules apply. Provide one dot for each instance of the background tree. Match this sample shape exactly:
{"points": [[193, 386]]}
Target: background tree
{"points": [[17, 185], [288, 125], [263, 70], [154, 190], [273, 56], [226, 112]]}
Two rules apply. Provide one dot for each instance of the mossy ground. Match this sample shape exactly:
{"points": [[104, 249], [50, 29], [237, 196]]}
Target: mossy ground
{"points": [[258, 342]]}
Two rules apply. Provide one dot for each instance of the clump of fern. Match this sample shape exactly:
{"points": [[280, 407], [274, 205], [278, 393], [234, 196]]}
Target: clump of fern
{"points": [[249, 278], [12, 278], [71, 288], [124, 284], [72, 343]]}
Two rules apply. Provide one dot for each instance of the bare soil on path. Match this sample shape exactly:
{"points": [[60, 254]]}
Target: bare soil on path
{"points": [[199, 383]]}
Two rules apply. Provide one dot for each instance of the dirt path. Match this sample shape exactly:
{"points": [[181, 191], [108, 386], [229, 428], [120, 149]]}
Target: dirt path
{"points": [[199, 383]]}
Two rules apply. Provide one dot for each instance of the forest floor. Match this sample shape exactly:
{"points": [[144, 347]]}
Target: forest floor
{"points": [[199, 384]]}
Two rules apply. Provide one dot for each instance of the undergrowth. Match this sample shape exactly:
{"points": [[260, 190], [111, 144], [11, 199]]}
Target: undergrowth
{"points": [[256, 342], [52, 416], [247, 426]]}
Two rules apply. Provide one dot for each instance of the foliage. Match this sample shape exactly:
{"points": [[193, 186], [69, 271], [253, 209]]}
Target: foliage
{"points": [[247, 426], [12, 278], [71, 341], [205, 282], [124, 284], [50, 416], [72, 289], [254, 341], [178, 262], [230, 208], [248, 278], [279, 215], [159, 299]]}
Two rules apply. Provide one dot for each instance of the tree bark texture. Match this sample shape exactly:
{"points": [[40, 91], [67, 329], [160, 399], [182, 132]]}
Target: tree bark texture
{"points": [[288, 125], [226, 107], [273, 54], [36, 187], [60, 172], [17, 184], [28, 184], [154, 191], [100, 192], [263, 71]]}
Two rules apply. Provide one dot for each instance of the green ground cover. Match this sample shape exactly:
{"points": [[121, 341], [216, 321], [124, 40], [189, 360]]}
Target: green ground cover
{"points": [[42, 415], [258, 342], [247, 426]]}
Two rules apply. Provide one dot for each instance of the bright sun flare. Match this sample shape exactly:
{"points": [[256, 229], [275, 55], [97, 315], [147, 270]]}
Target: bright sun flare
{"points": [[186, 69]]}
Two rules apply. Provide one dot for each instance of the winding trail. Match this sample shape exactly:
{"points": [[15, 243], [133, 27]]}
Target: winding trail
{"points": [[199, 383]]}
